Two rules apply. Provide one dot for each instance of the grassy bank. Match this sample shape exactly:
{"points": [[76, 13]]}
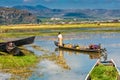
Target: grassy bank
{"points": [[16, 62], [18, 65], [10, 61]]}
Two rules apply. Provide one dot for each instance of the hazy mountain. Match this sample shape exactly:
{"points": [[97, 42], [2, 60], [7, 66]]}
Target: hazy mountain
{"points": [[14, 16], [43, 11], [38, 10], [26, 7]]}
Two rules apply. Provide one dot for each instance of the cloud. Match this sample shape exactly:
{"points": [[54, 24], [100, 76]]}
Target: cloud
{"points": [[37, 1], [49, 67], [27, 0], [49, 0]]}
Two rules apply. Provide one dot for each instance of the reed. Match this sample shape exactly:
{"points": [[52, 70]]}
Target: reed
{"points": [[53, 26], [25, 30]]}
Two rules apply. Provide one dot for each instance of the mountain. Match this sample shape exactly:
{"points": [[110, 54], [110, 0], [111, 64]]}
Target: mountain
{"points": [[35, 8], [42, 11], [30, 14], [103, 13], [14, 16]]}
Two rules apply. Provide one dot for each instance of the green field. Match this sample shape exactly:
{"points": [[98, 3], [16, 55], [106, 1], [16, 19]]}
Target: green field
{"points": [[23, 30]]}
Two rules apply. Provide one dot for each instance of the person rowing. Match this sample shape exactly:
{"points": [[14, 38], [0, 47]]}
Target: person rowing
{"points": [[60, 39]]}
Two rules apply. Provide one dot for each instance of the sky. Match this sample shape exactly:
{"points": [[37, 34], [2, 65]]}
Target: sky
{"points": [[66, 4]]}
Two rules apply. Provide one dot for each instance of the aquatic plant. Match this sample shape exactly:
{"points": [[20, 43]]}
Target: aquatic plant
{"points": [[102, 72]]}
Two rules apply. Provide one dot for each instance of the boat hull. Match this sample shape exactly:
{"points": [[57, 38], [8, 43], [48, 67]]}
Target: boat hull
{"points": [[17, 43], [81, 49]]}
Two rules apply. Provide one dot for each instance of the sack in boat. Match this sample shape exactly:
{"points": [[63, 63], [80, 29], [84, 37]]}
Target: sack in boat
{"points": [[77, 47], [68, 45], [65, 45]]}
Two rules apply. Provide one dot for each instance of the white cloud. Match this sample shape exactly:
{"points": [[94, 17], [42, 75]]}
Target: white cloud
{"points": [[48, 0], [49, 67], [37, 0], [27, 0]]}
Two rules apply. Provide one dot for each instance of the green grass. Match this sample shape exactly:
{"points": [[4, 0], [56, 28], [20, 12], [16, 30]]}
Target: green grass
{"points": [[18, 65], [102, 72], [9, 61]]}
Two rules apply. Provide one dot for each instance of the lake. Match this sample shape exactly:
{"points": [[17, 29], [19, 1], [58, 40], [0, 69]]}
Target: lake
{"points": [[69, 65]]}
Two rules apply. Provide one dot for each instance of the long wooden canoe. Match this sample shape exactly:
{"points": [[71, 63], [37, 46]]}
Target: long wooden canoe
{"points": [[82, 49], [91, 54], [105, 63], [19, 42]]}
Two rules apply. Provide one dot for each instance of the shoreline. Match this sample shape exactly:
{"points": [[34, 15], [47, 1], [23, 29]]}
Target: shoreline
{"points": [[54, 26], [25, 30]]}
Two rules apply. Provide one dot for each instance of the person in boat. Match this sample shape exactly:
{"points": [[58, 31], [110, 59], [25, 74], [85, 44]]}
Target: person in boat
{"points": [[12, 48], [60, 39]]}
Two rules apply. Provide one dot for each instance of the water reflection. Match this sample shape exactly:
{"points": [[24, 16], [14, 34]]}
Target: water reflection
{"points": [[62, 62], [92, 55], [102, 56]]}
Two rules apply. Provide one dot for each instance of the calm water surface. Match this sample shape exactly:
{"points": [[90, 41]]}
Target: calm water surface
{"points": [[73, 65]]}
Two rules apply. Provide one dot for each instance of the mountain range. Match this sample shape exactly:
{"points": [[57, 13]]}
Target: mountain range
{"points": [[33, 14], [42, 11]]}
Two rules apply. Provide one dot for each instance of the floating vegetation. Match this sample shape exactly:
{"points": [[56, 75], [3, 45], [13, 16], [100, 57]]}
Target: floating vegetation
{"points": [[102, 72], [40, 48], [57, 59]]}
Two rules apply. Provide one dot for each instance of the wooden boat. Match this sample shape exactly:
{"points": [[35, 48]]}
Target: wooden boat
{"points": [[17, 43], [20, 42], [105, 63], [92, 55], [82, 49]]}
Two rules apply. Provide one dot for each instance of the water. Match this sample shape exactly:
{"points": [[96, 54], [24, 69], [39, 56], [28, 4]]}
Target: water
{"points": [[73, 65]]}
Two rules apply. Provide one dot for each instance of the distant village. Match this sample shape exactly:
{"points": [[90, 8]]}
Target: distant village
{"points": [[55, 20]]}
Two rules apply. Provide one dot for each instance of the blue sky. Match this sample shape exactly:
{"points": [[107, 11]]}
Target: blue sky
{"points": [[69, 4]]}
